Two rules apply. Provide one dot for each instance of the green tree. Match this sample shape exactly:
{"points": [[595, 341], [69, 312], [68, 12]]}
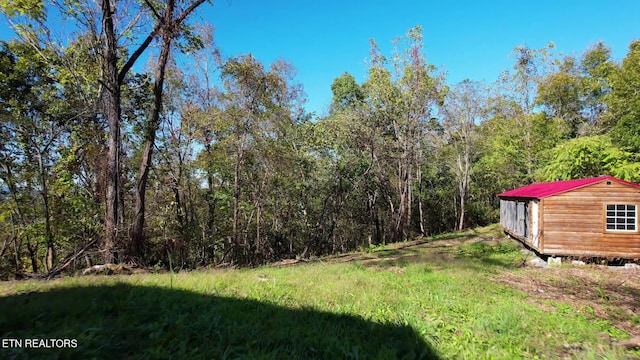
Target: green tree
{"points": [[575, 91], [464, 110], [589, 157], [171, 20], [596, 68], [561, 94], [115, 23], [250, 146], [28, 122], [624, 102], [346, 93], [383, 138]]}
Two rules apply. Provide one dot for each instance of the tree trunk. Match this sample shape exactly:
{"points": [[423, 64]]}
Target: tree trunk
{"points": [[16, 254], [137, 236], [111, 103], [464, 167], [236, 203], [461, 223], [409, 190], [258, 214], [50, 257], [420, 212], [33, 255], [13, 193], [211, 207]]}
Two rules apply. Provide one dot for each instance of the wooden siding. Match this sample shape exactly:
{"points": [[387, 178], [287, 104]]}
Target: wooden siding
{"points": [[515, 218], [573, 223], [534, 216], [511, 214]]}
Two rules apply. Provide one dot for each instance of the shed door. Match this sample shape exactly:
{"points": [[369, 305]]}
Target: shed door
{"points": [[522, 219], [535, 231]]}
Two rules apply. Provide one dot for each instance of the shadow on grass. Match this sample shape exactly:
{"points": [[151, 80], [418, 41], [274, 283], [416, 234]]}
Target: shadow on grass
{"points": [[138, 322]]}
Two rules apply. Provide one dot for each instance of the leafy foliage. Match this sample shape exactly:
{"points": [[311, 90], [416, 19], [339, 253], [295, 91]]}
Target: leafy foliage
{"points": [[242, 175], [589, 157], [625, 103]]}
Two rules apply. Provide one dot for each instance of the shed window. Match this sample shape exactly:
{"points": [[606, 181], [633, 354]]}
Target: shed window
{"points": [[621, 217]]}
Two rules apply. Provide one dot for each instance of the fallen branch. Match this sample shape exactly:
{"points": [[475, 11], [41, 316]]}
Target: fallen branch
{"points": [[62, 265]]}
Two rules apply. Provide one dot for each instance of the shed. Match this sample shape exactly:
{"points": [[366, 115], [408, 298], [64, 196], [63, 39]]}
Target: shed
{"points": [[595, 217]]}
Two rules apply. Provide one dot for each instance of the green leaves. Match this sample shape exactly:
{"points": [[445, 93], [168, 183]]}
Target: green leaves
{"points": [[346, 93], [624, 102], [590, 157], [32, 9]]}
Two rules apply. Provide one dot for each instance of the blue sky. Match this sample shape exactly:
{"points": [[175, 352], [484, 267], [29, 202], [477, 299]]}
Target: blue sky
{"points": [[467, 39]]}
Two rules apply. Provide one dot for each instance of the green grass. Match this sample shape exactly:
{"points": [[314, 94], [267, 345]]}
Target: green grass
{"points": [[418, 302]]}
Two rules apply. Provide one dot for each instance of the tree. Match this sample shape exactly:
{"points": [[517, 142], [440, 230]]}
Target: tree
{"points": [[624, 102], [562, 95], [596, 67], [172, 26], [464, 110], [113, 23], [252, 138], [28, 117], [576, 90], [384, 136], [346, 93], [518, 93], [589, 157]]}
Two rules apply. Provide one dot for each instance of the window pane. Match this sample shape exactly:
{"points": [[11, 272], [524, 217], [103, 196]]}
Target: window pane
{"points": [[621, 217]]}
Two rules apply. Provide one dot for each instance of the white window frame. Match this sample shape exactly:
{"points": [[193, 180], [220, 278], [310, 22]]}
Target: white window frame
{"points": [[621, 217]]}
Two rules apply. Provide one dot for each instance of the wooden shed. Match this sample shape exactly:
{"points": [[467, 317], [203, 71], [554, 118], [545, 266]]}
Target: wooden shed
{"points": [[596, 217]]}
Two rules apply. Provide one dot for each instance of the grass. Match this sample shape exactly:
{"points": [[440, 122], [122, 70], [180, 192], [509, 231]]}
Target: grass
{"points": [[438, 300]]}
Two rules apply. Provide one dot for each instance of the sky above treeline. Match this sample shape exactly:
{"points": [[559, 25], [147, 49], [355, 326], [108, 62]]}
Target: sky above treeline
{"points": [[465, 39]]}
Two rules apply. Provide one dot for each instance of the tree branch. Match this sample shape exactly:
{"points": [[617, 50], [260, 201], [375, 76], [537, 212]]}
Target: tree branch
{"points": [[153, 9], [156, 29], [129, 64], [188, 11], [68, 261]]}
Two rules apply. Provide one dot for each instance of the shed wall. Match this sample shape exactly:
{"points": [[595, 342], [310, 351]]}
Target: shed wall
{"points": [[514, 218], [573, 223]]}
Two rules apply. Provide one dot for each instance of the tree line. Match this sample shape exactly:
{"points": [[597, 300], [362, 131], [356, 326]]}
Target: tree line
{"points": [[218, 162]]}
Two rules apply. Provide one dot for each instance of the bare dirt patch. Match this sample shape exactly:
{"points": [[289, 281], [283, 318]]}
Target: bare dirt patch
{"points": [[607, 293]]}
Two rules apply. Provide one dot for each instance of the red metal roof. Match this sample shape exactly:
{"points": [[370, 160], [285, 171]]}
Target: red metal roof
{"points": [[542, 190]]}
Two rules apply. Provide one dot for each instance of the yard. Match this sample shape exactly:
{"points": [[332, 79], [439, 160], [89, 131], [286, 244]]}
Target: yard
{"points": [[456, 296]]}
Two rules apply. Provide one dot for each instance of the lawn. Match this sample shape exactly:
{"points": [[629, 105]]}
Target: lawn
{"points": [[457, 296]]}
